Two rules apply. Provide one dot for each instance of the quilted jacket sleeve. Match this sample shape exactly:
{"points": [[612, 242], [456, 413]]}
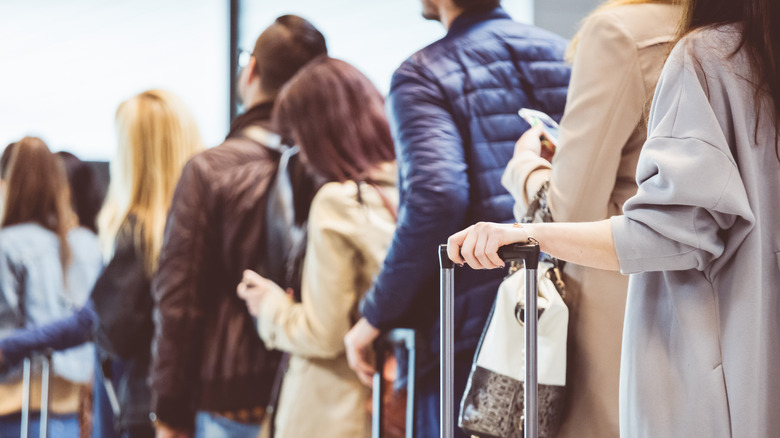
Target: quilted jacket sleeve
{"points": [[434, 191]]}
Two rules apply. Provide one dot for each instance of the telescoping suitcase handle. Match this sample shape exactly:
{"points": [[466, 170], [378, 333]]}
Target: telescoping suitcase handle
{"points": [[514, 254], [26, 394], [402, 337]]}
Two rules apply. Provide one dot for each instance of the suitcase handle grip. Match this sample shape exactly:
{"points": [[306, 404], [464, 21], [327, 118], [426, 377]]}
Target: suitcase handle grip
{"points": [[527, 252]]}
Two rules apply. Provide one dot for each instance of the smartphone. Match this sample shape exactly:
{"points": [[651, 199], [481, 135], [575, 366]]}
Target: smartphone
{"points": [[549, 127]]}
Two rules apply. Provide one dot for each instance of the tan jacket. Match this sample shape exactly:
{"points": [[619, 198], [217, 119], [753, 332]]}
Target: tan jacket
{"points": [[321, 396], [615, 71]]}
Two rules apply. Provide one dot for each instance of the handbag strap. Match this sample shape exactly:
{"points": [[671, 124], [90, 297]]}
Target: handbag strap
{"points": [[539, 209], [539, 206]]}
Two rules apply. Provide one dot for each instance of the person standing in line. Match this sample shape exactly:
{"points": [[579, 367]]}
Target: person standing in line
{"points": [[618, 55], [453, 109], [86, 202], [157, 135], [336, 115], [86, 195], [700, 237], [211, 374], [47, 267]]}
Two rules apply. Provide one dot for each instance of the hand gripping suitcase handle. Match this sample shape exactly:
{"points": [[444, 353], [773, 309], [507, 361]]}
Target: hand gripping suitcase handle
{"points": [[528, 253]]}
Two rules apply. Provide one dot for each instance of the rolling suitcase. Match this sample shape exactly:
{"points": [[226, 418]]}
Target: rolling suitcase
{"points": [[27, 381], [513, 255], [394, 339]]}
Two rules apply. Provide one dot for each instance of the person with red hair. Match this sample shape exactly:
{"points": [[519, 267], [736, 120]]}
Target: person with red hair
{"points": [[336, 116]]}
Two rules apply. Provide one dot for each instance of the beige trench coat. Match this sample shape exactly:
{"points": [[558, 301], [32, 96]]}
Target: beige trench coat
{"points": [[616, 67], [321, 396]]}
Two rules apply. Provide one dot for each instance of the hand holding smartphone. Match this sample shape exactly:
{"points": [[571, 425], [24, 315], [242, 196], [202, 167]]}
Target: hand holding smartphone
{"points": [[549, 127]]}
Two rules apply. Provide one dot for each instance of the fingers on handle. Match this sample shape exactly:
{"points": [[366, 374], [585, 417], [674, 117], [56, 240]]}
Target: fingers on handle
{"points": [[468, 248], [491, 251], [454, 244]]}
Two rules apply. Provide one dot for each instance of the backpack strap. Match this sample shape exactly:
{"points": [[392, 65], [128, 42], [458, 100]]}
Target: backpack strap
{"points": [[263, 136]]}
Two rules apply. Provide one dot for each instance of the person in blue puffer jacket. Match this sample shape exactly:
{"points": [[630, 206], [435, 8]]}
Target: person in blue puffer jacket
{"points": [[453, 112]]}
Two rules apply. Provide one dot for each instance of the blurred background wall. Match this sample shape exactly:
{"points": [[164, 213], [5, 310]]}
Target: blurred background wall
{"points": [[562, 16], [66, 65]]}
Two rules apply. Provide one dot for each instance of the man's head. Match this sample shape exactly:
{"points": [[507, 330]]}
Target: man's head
{"points": [[447, 10], [280, 51]]}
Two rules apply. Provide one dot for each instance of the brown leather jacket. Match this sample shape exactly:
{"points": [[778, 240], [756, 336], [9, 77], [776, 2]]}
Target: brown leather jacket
{"points": [[207, 354]]}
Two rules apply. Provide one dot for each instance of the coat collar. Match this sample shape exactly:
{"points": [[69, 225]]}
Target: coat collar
{"points": [[470, 18], [258, 115]]}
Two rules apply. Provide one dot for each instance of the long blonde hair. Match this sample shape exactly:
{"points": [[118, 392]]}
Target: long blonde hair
{"points": [[156, 135], [609, 4]]}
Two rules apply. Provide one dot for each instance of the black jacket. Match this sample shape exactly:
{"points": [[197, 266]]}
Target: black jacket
{"points": [[123, 329]]}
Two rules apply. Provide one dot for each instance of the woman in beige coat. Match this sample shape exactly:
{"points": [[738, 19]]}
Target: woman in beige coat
{"points": [[337, 117], [617, 59]]}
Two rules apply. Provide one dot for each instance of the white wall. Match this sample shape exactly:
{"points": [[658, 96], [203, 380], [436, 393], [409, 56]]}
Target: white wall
{"points": [[374, 35], [66, 66], [563, 16]]}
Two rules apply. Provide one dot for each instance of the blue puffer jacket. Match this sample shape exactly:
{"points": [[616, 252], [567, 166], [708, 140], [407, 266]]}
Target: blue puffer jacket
{"points": [[453, 111]]}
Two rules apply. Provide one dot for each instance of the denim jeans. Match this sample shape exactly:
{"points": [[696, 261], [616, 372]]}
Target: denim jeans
{"points": [[60, 426], [210, 425]]}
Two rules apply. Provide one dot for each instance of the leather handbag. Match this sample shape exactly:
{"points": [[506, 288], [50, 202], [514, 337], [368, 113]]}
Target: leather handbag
{"points": [[492, 405]]}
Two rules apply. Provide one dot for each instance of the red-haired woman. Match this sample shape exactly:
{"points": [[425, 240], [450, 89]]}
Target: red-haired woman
{"points": [[336, 116], [47, 268]]}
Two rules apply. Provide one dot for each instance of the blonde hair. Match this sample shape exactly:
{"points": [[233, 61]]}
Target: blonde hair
{"points": [[156, 135], [609, 4]]}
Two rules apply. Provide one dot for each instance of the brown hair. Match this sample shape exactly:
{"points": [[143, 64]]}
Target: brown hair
{"points": [[337, 117], [283, 48], [760, 20], [85, 193], [38, 192]]}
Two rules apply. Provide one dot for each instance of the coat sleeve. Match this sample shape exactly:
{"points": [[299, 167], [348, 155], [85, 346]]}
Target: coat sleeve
{"points": [[178, 312], [58, 335], [606, 102], [675, 221], [316, 326], [434, 192]]}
